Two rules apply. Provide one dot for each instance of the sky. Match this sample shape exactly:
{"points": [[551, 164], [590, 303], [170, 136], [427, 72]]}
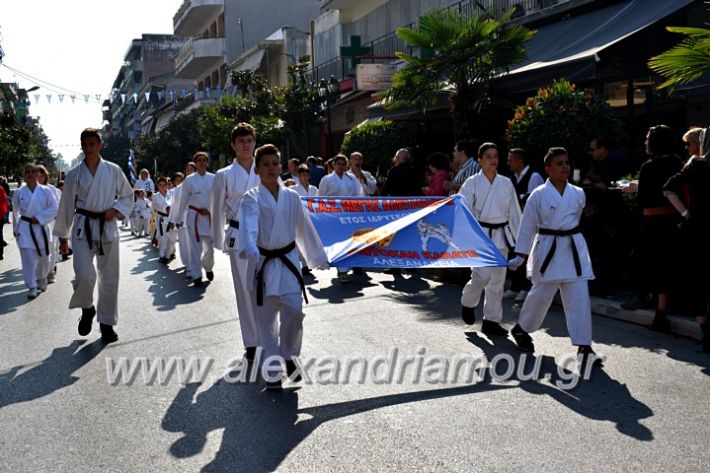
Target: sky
{"points": [[77, 45]]}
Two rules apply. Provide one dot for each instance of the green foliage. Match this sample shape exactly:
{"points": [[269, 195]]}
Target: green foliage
{"points": [[561, 115], [469, 53], [302, 109], [173, 146], [686, 61], [116, 150], [22, 143], [378, 142]]}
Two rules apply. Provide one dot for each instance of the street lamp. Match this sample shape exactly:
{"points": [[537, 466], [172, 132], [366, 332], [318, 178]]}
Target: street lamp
{"points": [[329, 92]]}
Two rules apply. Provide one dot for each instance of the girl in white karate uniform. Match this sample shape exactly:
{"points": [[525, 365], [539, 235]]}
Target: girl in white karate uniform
{"points": [[559, 259], [44, 178], [273, 224], [493, 201], [165, 232], [34, 206]]}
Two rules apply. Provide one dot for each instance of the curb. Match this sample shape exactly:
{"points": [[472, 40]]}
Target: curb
{"points": [[683, 326]]}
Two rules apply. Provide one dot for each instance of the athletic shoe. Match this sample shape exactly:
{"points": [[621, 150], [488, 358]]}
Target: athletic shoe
{"points": [[522, 339], [210, 275], [493, 329], [33, 293], [585, 352], [42, 284], [468, 314], [108, 335], [87, 319]]}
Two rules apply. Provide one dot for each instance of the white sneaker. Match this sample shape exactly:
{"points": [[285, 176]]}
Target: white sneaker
{"points": [[521, 296], [42, 284], [509, 294], [33, 293]]}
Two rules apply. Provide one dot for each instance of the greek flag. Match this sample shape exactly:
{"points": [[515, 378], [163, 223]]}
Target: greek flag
{"points": [[132, 166]]}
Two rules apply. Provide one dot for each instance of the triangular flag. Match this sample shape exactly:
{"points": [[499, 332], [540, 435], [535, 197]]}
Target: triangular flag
{"points": [[61, 98], [147, 96], [171, 94], [207, 91], [98, 97], [37, 96], [86, 98], [135, 98], [73, 98], [123, 99], [49, 98], [160, 96]]}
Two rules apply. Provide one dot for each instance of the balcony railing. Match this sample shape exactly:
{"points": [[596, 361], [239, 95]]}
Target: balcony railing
{"points": [[199, 54], [193, 15]]}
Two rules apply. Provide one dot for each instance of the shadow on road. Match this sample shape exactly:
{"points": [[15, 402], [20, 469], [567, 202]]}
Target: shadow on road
{"points": [[338, 292], [260, 428], [51, 374], [14, 292], [598, 398]]}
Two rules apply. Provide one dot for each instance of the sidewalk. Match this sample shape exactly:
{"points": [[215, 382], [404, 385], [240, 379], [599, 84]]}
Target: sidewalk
{"points": [[680, 325]]}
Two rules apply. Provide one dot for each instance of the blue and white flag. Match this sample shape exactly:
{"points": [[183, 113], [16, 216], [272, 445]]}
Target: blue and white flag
{"points": [[132, 166], [409, 232]]}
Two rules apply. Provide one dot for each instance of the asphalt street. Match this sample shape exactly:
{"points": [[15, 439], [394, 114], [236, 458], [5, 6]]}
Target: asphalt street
{"points": [[646, 410]]}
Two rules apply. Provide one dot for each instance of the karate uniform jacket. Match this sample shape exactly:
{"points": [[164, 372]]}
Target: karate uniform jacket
{"points": [[334, 185], [230, 184], [196, 191], [40, 204]]}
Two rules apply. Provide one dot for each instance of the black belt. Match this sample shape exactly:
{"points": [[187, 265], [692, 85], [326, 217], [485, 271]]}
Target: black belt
{"points": [[160, 221], [551, 253], [32, 234], [492, 226], [234, 224], [100, 216], [279, 253]]}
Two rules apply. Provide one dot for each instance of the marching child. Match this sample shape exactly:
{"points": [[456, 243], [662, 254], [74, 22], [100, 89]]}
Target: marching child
{"points": [[272, 223], [493, 201], [165, 232], [559, 259]]}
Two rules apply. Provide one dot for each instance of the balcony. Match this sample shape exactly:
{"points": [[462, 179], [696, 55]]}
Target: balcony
{"points": [[200, 56], [194, 16]]}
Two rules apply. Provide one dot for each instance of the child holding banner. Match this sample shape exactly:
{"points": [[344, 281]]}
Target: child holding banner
{"points": [[493, 201], [559, 259], [272, 221]]}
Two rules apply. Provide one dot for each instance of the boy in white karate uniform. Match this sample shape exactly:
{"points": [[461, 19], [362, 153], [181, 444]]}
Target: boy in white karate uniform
{"points": [[340, 183], [230, 184], [34, 206], [195, 198], [183, 236], [559, 259], [272, 222], [44, 177], [165, 231], [96, 193], [492, 200]]}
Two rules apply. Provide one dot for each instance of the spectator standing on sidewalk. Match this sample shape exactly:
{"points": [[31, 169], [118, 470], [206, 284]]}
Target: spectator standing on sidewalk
{"points": [[691, 140], [689, 192], [4, 207], [656, 261], [403, 180], [465, 164]]}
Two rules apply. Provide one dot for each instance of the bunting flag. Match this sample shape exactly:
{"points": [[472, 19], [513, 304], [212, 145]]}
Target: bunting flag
{"points": [[132, 166], [73, 98], [123, 99], [49, 98], [414, 232], [61, 98], [161, 95], [86, 98], [37, 96], [147, 96]]}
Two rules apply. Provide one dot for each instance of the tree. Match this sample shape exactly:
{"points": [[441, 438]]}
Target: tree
{"points": [[686, 61], [21, 143], [461, 57], [378, 142], [173, 146], [561, 115], [302, 109]]}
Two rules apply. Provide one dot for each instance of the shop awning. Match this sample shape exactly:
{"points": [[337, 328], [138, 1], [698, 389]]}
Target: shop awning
{"points": [[570, 47], [253, 61]]}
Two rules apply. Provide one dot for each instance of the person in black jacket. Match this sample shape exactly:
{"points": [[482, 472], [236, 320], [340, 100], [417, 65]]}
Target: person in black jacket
{"points": [[403, 180], [689, 192]]}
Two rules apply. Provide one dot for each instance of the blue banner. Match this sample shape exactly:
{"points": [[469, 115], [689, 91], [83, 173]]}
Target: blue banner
{"points": [[412, 232]]}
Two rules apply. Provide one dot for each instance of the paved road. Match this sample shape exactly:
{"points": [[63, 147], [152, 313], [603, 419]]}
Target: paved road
{"points": [[647, 410]]}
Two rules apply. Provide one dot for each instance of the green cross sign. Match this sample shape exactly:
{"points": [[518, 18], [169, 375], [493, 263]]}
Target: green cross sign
{"points": [[354, 51]]}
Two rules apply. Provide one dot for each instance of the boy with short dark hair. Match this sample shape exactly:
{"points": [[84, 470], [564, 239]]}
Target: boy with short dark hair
{"points": [[96, 193], [272, 223]]}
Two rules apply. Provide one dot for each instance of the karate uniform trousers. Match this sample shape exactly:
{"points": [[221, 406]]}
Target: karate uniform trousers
{"points": [[201, 251]]}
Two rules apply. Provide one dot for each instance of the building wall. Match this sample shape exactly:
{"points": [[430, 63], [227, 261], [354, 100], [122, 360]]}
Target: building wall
{"points": [[159, 52], [262, 18]]}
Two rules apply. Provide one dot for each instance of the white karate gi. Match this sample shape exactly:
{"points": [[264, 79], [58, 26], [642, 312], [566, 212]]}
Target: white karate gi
{"points": [[147, 185], [336, 186], [312, 191], [492, 203], [182, 234], [272, 224], [41, 205], [54, 242], [196, 192], [107, 189], [230, 184], [166, 238], [142, 208], [546, 208], [369, 187]]}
